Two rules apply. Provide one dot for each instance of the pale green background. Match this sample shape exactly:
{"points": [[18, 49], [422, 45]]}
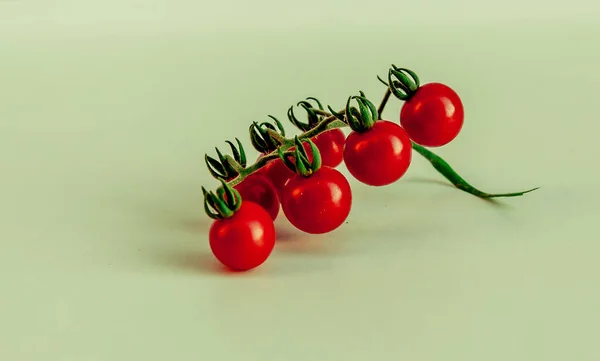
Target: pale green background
{"points": [[106, 111]]}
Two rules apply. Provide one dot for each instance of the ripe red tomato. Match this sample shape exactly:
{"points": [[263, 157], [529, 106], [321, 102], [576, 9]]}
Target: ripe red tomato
{"points": [[433, 116], [331, 146], [318, 203], [380, 155], [278, 174], [258, 189], [245, 240]]}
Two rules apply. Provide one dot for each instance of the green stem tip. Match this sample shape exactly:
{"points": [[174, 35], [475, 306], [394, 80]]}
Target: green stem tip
{"points": [[450, 174]]}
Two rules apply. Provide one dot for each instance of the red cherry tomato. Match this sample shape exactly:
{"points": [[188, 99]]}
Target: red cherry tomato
{"points": [[331, 146], [278, 174], [318, 203], [258, 189], [433, 116], [245, 240], [380, 155]]}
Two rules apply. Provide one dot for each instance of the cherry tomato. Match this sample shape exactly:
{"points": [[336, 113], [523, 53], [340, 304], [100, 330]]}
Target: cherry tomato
{"points": [[278, 173], [433, 116], [245, 240], [331, 146], [258, 189], [318, 203], [380, 155]]}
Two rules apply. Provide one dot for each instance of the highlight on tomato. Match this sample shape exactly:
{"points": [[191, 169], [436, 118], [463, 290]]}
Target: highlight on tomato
{"points": [[242, 235], [432, 114], [317, 199]]}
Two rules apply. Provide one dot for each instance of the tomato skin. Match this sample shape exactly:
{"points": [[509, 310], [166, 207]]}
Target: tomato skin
{"points": [[318, 203], [258, 189], [433, 116], [278, 173], [331, 147], [380, 155], [244, 241]]}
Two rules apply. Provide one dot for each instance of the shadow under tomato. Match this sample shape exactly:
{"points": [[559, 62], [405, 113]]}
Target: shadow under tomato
{"points": [[203, 263], [309, 244], [285, 234]]}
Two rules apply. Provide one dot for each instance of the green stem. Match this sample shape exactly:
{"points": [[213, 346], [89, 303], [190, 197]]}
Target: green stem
{"points": [[327, 124], [320, 112], [331, 122], [384, 101], [446, 170]]}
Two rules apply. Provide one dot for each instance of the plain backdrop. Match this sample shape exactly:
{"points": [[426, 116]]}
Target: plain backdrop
{"points": [[108, 107]]}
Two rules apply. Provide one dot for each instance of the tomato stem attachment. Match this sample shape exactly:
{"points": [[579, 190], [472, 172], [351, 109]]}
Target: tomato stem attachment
{"points": [[266, 137], [224, 203], [450, 174], [404, 85], [315, 115], [302, 165], [226, 167], [362, 118]]}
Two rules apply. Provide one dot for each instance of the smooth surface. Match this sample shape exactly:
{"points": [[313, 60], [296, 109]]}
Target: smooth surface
{"points": [[107, 109]]}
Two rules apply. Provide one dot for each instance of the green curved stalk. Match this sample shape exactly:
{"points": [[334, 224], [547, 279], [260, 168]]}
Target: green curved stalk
{"points": [[450, 174], [333, 121]]}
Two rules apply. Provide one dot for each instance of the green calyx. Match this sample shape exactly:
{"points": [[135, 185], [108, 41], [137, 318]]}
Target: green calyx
{"points": [[266, 137], [402, 82], [301, 165], [224, 203], [359, 119], [226, 167], [313, 118]]}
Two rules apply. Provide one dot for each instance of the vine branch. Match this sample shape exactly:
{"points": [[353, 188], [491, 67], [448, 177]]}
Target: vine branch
{"points": [[332, 120]]}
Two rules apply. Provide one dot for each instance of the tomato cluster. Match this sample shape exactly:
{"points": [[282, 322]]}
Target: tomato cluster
{"points": [[299, 177], [314, 196]]}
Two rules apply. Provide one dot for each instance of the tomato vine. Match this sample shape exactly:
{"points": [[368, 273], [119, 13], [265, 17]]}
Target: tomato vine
{"points": [[299, 173], [402, 88]]}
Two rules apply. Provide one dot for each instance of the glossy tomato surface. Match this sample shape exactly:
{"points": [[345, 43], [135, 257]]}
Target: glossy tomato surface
{"points": [[245, 240], [278, 173], [331, 147], [258, 189], [433, 116], [318, 203], [380, 155]]}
